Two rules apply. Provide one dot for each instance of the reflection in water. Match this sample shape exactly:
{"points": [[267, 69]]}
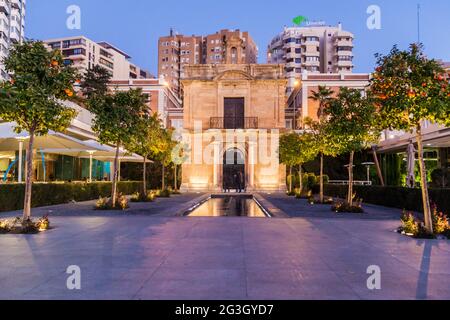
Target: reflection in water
{"points": [[229, 207]]}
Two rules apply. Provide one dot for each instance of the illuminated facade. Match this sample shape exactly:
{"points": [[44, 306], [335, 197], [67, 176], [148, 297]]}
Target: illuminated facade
{"points": [[233, 115]]}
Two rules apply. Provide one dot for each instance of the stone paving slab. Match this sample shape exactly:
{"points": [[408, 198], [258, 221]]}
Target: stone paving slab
{"points": [[144, 256]]}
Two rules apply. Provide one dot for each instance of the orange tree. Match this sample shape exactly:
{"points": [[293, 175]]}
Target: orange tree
{"points": [[296, 150], [323, 96], [410, 89], [146, 142], [351, 123], [117, 119], [32, 98]]}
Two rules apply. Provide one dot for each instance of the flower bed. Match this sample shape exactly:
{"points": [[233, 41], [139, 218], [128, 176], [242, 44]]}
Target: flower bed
{"points": [[20, 226], [413, 227], [394, 197]]}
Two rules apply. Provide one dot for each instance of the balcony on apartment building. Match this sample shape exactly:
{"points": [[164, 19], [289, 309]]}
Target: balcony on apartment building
{"points": [[343, 42], [234, 123], [348, 62], [75, 54], [14, 35], [344, 51], [310, 41], [4, 7], [15, 4]]}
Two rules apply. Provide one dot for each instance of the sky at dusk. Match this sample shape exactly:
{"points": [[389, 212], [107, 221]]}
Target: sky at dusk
{"points": [[135, 25]]}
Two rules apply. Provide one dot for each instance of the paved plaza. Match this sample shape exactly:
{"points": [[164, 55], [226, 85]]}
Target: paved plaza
{"points": [[148, 253]]}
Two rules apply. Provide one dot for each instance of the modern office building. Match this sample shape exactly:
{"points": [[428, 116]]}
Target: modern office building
{"points": [[313, 49], [226, 46], [84, 53], [12, 28]]}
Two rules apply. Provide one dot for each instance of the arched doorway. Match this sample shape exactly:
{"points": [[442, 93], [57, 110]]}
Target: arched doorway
{"points": [[234, 170]]}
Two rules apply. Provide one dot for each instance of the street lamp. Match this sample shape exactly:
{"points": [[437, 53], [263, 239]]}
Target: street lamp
{"points": [[21, 141], [91, 155], [368, 165]]}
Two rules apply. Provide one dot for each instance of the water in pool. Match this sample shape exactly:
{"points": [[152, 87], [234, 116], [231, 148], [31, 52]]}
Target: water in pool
{"points": [[229, 206]]}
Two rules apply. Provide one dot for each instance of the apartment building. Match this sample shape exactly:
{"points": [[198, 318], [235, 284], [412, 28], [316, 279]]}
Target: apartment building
{"points": [[223, 47], [161, 99], [12, 28], [300, 105], [315, 48], [84, 53]]}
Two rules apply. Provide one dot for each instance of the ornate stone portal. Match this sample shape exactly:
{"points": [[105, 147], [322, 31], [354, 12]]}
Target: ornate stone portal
{"points": [[233, 116]]}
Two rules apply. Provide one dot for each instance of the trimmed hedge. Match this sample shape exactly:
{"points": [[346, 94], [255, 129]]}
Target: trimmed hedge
{"points": [[12, 195], [395, 197]]}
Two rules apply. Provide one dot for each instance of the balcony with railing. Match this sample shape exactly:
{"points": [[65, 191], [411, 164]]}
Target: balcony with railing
{"points": [[233, 123]]}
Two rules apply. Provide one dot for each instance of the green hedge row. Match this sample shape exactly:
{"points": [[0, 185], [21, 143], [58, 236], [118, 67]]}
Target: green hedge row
{"points": [[395, 197], [12, 195]]}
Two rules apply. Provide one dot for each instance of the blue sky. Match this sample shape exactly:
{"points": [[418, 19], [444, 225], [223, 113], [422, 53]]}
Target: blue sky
{"points": [[135, 25]]}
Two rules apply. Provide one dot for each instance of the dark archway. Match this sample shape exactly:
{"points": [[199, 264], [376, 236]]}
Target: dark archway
{"points": [[234, 170]]}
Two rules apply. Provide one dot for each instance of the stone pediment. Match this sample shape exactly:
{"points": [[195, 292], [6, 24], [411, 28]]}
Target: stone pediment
{"points": [[233, 75]]}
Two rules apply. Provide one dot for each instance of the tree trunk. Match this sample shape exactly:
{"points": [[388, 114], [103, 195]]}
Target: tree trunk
{"points": [[175, 185], [423, 177], [321, 195], [115, 176], [144, 177], [300, 174], [377, 165], [28, 182], [290, 179], [350, 180], [163, 178]]}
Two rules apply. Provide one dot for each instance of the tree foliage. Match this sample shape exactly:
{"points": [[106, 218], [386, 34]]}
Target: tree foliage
{"points": [[33, 97], [118, 116], [323, 96], [95, 81], [39, 82], [147, 140], [409, 89], [117, 121], [295, 150], [351, 119]]}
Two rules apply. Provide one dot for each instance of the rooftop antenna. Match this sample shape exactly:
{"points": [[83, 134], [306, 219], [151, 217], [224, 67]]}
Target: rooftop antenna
{"points": [[418, 23]]}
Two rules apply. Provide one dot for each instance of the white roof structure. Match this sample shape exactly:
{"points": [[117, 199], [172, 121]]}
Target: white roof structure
{"points": [[62, 144]]}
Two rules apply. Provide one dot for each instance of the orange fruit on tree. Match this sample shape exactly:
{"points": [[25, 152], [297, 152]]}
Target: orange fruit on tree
{"points": [[411, 94], [69, 92]]}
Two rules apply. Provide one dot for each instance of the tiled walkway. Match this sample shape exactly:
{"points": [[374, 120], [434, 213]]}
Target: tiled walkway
{"points": [[155, 257]]}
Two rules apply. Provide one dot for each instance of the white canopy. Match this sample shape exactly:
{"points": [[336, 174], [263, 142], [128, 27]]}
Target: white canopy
{"points": [[10, 140], [59, 143]]}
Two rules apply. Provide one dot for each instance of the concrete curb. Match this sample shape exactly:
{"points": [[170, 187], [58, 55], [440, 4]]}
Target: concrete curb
{"points": [[274, 211]]}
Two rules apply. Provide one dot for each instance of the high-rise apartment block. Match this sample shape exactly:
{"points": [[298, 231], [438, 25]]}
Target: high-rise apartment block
{"points": [[312, 49], [223, 47], [12, 27], [83, 54]]}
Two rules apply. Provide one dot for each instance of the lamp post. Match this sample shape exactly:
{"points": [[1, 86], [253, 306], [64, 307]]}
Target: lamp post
{"points": [[91, 156], [368, 165], [20, 164]]}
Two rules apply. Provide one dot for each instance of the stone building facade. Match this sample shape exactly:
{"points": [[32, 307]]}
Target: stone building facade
{"points": [[233, 115]]}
